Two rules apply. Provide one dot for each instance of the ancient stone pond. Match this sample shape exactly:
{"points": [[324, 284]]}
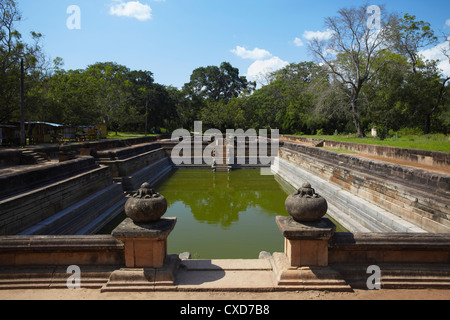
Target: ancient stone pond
{"points": [[223, 215]]}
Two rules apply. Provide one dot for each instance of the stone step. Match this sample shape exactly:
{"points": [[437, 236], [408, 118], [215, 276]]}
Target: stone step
{"points": [[102, 220], [23, 211], [370, 216], [106, 205], [239, 274], [77, 216], [50, 278], [428, 211], [404, 277], [344, 213], [222, 168], [38, 159]]}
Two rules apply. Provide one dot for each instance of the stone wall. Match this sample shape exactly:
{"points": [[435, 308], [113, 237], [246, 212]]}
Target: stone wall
{"points": [[126, 166], [19, 251], [38, 176], [352, 212], [133, 166], [14, 157], [10, 157], [21, 211], [125, 152], [405, 260], [429, 158], [418, 196]]}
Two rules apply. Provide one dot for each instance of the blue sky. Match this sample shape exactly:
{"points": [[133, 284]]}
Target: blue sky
{"points": [[171, 38]]}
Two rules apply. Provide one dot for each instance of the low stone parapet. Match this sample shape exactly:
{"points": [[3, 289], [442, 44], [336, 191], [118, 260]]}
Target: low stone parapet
{"points": [[405, 260], [424, 157], [35, 251]]}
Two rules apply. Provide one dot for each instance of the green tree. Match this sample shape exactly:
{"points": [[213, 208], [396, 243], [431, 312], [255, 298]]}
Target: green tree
{"points": [[113, 94], [410, 36], [12, 51], [386, 94], [426, 95], [217, 83], [352, 51]]}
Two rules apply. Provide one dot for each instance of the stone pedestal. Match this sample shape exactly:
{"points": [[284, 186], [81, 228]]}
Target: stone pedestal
{"points": [[145, 244], [304, 264], [306, 243], [85, 151], [147, 264]]}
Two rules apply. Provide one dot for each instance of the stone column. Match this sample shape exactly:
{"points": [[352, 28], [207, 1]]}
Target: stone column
{"points": [[145, 244], [306, 243]]}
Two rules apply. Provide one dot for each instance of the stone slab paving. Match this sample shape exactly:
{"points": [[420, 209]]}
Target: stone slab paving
{"points": [[243, 275]]}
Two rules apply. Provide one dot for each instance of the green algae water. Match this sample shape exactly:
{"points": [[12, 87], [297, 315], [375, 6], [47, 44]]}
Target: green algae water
{"points": [[223, 215]]}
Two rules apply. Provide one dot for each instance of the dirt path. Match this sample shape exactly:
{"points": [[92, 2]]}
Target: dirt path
{"points": [[86, 294], [404, 163]]}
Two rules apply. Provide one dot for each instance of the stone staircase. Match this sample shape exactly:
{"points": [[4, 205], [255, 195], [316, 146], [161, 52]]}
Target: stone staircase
{"points": [[87, 216], [82, 202], [34, 157], [221, 164]]}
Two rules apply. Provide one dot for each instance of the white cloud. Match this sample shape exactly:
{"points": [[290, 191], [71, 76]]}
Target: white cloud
{"points": [[447, 22], [131, 9], [298, 42], [264, 63], [436, 53], [260, 68], [255, 54], [319, 35]]}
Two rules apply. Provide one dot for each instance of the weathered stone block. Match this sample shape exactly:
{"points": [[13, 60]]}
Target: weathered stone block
{"points": [[145, 244], [306, 243]]}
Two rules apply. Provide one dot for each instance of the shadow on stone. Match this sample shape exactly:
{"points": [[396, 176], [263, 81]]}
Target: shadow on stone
{"points": [[197, 272]]}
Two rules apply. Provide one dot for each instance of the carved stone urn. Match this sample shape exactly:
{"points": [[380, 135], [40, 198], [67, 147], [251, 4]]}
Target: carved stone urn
{"points": [[306, 205], [146, 206]]}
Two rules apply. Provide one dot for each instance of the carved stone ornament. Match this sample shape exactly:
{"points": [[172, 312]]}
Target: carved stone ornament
{"points": [[306, 205], [146, 206]]}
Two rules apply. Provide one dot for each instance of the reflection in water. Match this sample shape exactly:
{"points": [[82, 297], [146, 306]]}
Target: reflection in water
{"points": [[219, 198], [224, 215]]}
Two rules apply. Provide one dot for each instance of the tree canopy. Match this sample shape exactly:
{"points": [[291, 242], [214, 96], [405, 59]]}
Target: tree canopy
{"points": [[362, 77]]}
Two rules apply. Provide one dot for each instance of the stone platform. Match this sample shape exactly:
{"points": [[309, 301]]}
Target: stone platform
{"points": [[196, 276]]}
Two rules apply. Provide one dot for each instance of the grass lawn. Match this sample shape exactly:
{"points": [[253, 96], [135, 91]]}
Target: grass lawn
{"points": [[126, 135], [431, 142]]}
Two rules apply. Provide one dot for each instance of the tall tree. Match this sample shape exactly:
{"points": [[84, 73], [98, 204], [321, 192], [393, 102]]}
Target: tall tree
{"points": [[114, 93], [352, 51], [12, 51], [217, 83], [410, 36]]}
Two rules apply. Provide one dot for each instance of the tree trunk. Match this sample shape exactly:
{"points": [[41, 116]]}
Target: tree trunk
{"points": [[427, 126], [356, 120], [23, 137]]}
